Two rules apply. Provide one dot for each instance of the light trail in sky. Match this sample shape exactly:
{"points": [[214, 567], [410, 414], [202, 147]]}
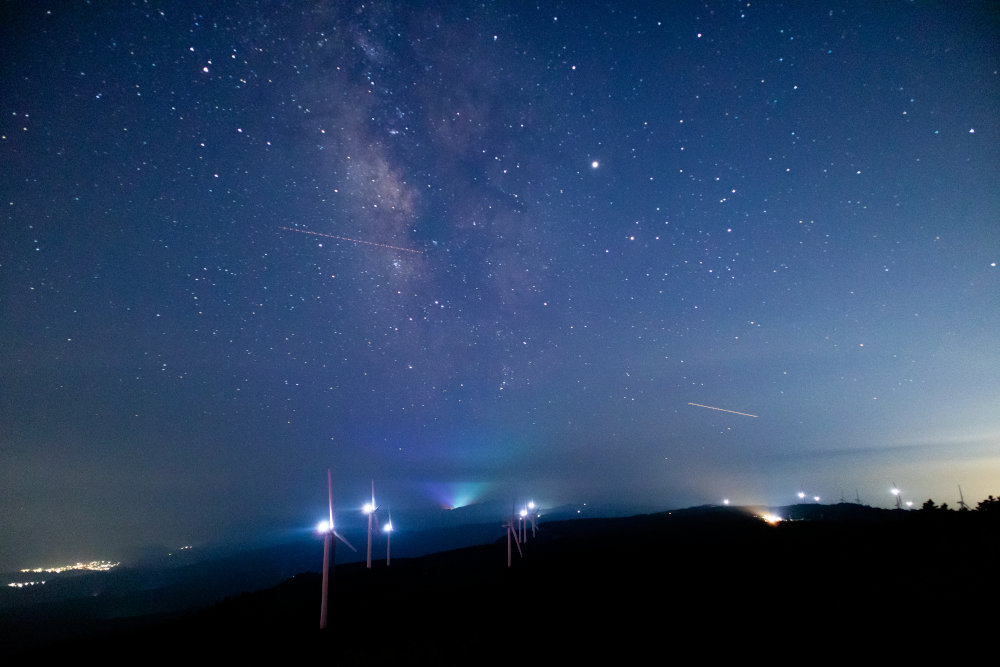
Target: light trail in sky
{"points": [[745, 414], [347, 238]]}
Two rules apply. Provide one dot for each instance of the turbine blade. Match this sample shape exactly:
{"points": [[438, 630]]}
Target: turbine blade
{"points": [[329, 489], [344, 540]]}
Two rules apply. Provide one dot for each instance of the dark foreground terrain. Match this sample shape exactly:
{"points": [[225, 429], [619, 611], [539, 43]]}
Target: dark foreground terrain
{"points": [[702, 585]]}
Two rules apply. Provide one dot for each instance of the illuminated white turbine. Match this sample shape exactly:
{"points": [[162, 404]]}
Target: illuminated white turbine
{"points": [[387, 529], [369, 509], [534, 515], [899, 502], [512, 533], [329, 533]]}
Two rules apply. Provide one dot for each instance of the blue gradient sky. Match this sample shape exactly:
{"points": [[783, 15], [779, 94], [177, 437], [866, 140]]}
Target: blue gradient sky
{"points": [[788, 211]]}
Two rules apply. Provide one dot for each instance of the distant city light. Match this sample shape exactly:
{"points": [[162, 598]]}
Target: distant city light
{"points": [[90, 566], [771, 518], [93, 566]]}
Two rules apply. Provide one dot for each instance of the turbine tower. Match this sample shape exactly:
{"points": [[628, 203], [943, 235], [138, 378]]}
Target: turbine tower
{"points": [[370, 510], [387, 529], [329, 550]]}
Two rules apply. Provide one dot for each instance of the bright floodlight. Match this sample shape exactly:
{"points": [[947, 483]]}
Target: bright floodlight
{"points": [[387, 527], [909, 503], [367, 508], [524, 513], [323, 526], [894, 492], [531, 505], [816, 498], [725, 501], [771, 518], [802, 494]]}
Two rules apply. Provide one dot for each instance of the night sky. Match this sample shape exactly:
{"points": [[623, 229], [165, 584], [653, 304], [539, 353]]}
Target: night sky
{"points": [[480, 252]]}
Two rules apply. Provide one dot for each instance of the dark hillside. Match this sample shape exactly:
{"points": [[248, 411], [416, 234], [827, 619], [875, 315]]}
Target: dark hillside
{"points": [[720, 581]]}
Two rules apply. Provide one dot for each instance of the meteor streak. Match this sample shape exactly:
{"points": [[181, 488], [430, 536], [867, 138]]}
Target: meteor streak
{"points": [[745, 414], [347, 238]]}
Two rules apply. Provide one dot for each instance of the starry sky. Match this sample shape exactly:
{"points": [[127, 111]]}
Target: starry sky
{"points": [[478, 251]]}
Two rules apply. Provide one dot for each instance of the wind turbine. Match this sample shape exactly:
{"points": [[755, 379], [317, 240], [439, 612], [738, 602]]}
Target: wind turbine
{"points": [[326, 527], [512, 532], [895, 491], [961, 499], [534, 515], [370, 510], [387, 529]]}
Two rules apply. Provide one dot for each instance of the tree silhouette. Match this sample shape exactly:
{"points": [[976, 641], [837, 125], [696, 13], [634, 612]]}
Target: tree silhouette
{"points": [[989, 506]]}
